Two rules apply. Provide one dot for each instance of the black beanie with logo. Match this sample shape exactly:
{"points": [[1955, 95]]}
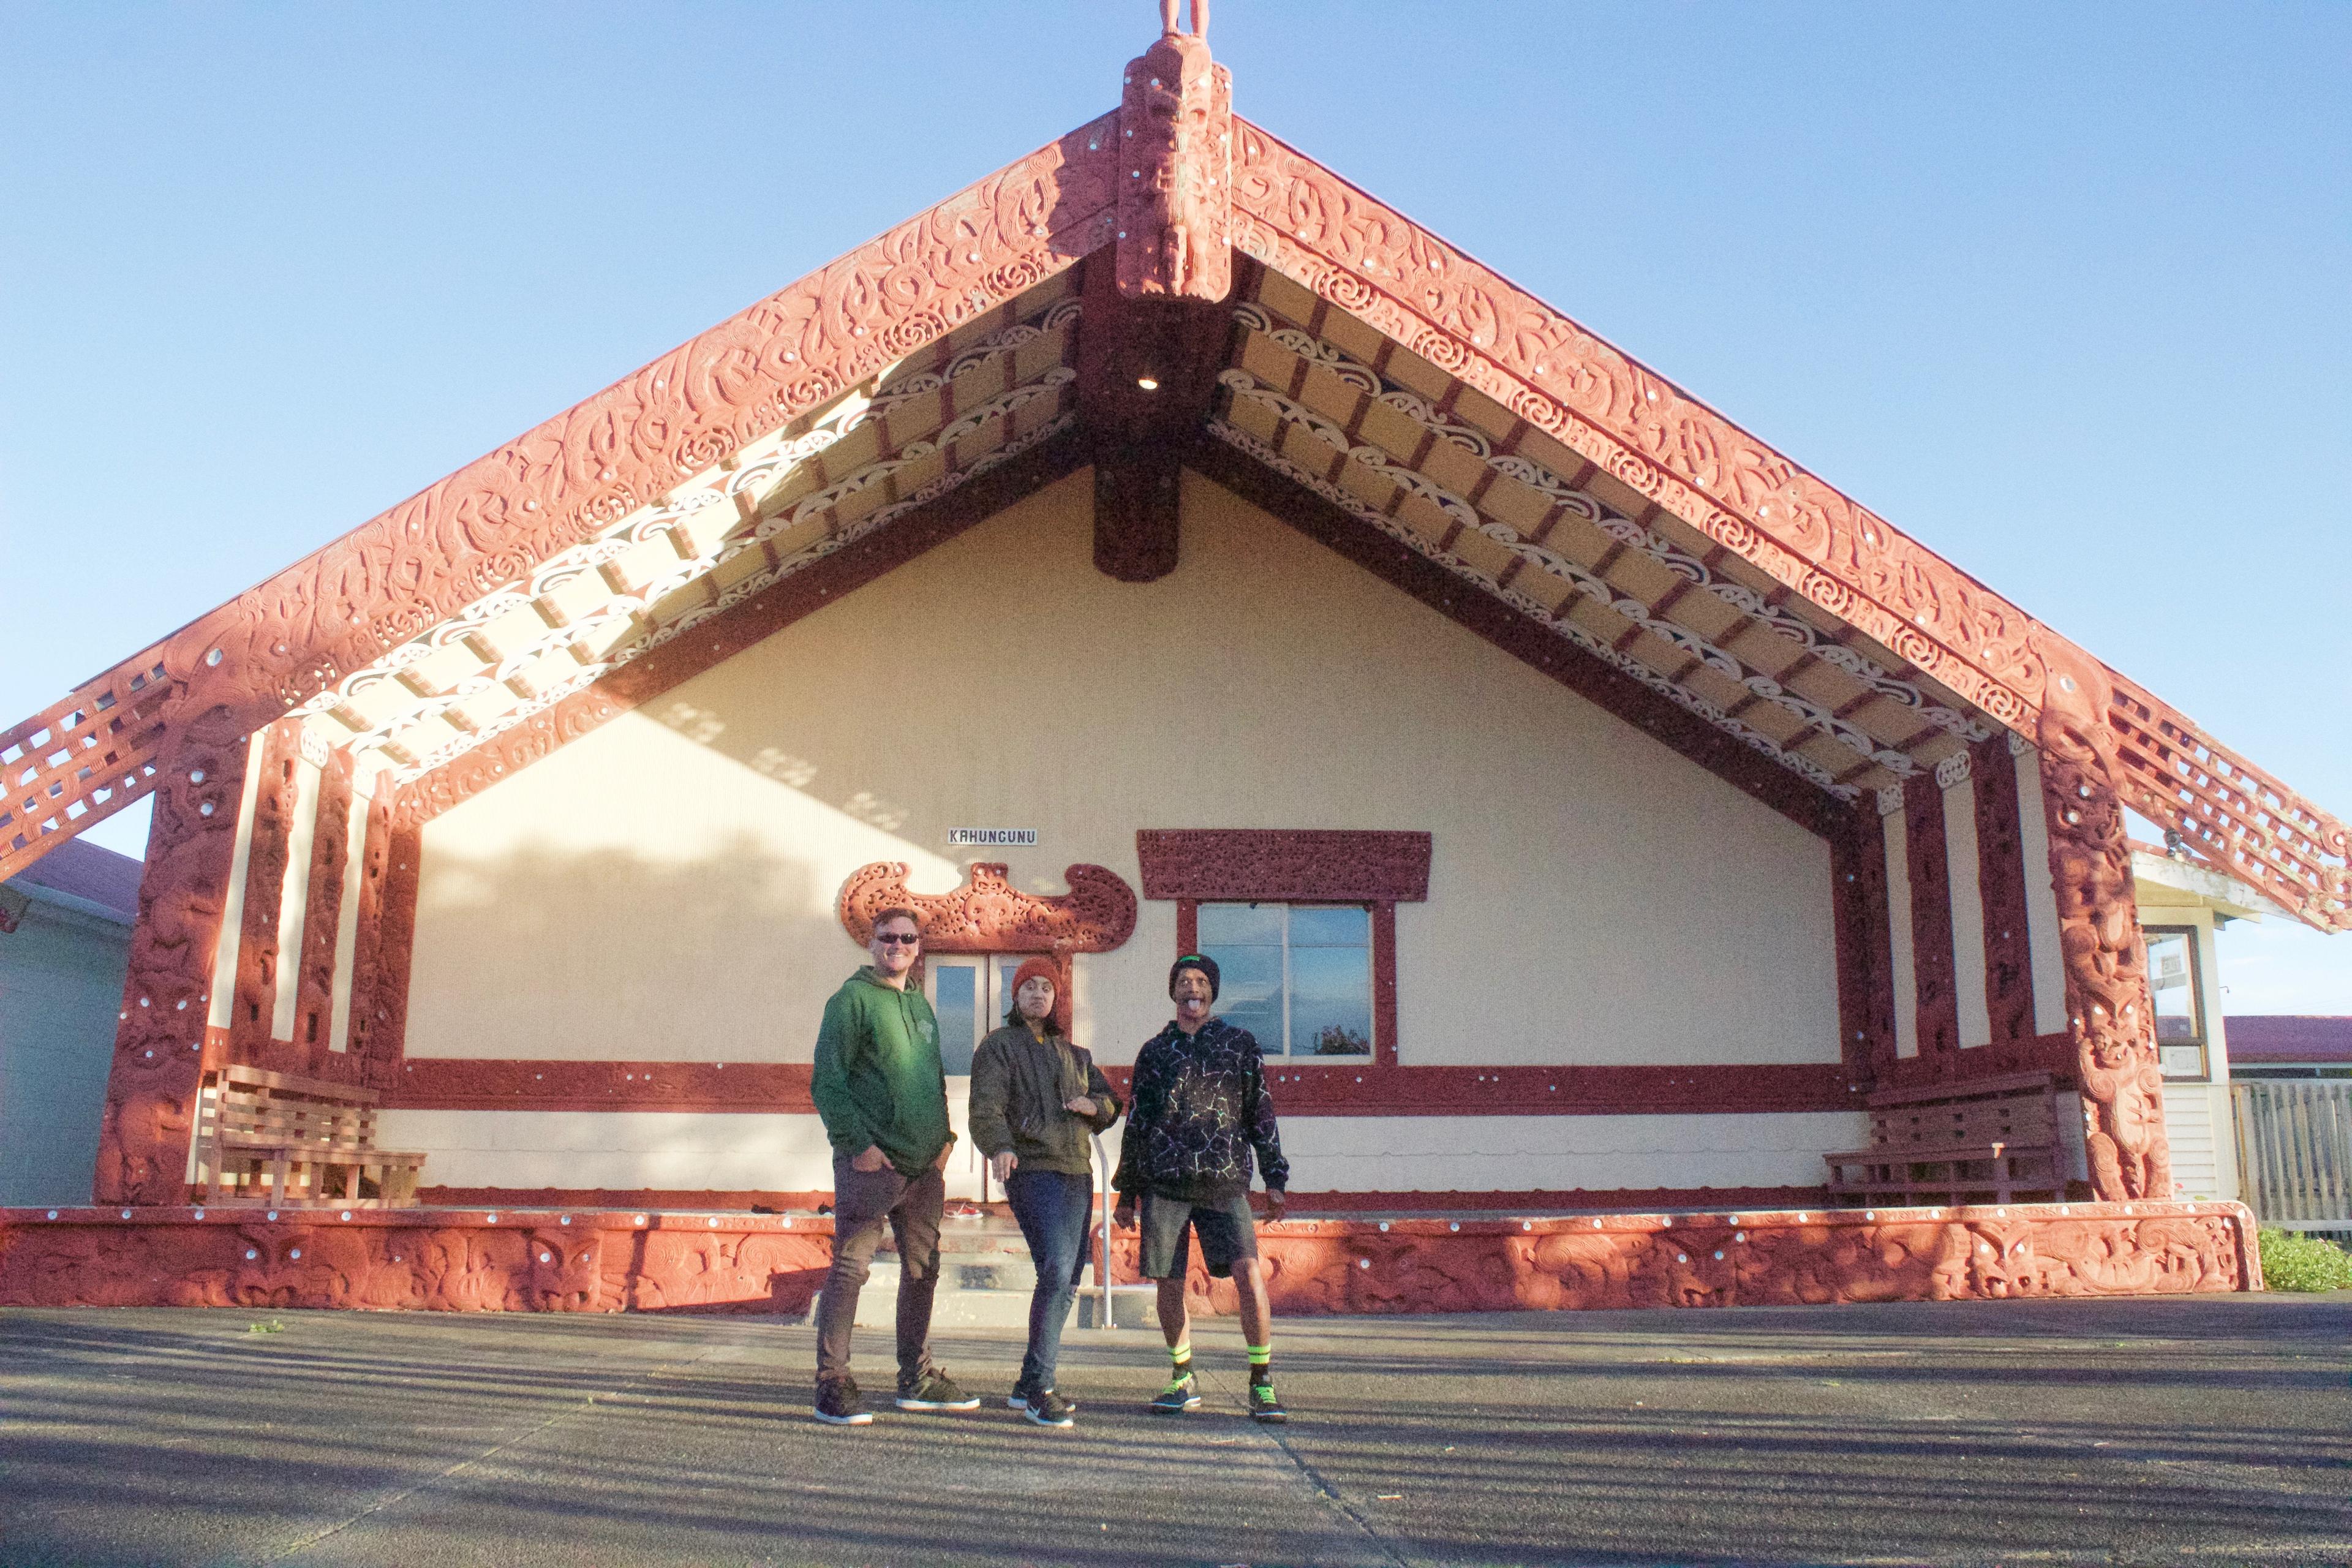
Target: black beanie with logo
{"points": [[1200, 961]]}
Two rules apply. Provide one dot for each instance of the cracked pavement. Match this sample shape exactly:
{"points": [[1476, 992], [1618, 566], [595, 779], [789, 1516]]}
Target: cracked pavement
{"points": [[2206, 1430]]}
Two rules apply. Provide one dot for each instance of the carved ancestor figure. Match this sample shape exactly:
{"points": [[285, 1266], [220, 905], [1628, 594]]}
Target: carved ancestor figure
{"points": [[1200, 28], [1175, 200], [2108, 1010]]}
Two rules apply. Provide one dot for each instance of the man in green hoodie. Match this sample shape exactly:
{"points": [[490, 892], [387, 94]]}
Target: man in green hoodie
{"points": [[883, 1096]]}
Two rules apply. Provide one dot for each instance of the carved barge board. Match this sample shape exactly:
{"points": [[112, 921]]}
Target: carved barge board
{"points": [[614, 1261]]}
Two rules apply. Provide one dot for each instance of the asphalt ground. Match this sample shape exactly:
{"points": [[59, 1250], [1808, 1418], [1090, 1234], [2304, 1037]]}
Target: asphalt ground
{"points": [[2209, 1430]]}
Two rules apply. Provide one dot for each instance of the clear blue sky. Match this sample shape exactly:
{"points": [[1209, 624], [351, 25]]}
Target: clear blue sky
{"points": [[2060, 290]]}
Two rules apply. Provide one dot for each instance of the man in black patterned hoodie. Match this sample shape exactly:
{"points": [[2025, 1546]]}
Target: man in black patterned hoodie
{"points": [[1201, 1106]]}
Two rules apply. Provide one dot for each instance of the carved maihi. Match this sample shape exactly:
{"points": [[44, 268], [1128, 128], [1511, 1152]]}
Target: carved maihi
{"points": [[2109, 1012]]}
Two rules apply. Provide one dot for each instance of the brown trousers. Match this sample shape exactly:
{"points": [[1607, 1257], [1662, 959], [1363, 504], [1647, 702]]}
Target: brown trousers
{"points": [[862, 1202]]}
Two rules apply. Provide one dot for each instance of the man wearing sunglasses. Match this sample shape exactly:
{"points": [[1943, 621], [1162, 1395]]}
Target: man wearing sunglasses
{"points": [[883, 1096]]}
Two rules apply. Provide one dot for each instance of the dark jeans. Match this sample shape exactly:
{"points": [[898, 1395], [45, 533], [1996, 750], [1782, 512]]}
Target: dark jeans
{"points": [[1052, 1207], [862, 1201]]}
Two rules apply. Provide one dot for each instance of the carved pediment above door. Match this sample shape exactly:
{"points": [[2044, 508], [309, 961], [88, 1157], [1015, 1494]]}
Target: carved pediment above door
{"points": [[989, 914]]}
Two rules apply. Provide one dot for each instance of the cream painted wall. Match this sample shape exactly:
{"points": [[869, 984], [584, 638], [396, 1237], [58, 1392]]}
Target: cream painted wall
{"points": [[663, 888], [672, 1151]]}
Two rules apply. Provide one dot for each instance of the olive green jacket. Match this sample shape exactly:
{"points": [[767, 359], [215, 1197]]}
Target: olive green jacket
{"points": [[1019, 1087]]}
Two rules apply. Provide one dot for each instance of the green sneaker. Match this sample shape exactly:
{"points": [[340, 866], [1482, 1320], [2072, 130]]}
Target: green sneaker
{"points": [[1264, 1406], [1180, 1395]]}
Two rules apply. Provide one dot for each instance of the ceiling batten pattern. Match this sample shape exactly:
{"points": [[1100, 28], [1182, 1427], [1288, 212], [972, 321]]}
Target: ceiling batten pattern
{"points": [[1410, 455], [773, 509]]}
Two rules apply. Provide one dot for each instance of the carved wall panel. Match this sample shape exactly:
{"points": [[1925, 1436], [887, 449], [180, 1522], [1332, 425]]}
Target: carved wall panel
{"points": [[1865, 953], [1931, 920], [2109, 1012], [359, 1020], [618, 1261], [1175, 193], [331, 840], [275, 802], [151, 1091], [2000, 880], [1284, 863]]}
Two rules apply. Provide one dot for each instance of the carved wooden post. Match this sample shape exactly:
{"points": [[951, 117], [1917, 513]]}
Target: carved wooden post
{"points": [[159, 1056], [254, 1008], [314, 1005], [1865, 958], [2108, 1009]]}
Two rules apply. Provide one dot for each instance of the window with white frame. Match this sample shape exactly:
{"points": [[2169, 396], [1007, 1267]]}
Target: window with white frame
{"points": [[1297, 976], [2173, 982]]}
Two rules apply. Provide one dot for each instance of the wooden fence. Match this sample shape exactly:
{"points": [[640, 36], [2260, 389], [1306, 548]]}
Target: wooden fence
{"points": [[2294, 1153]]}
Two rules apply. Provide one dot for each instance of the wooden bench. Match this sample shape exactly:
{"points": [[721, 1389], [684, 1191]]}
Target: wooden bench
{"points": [[1995, 1140], [270, 1137]]}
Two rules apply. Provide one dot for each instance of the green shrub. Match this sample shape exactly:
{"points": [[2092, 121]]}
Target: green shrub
{"points": [[2294, 1262]]}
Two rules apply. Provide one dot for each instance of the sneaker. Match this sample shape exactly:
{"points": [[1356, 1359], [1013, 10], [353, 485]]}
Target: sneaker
{"points": [[1264, 1406], [1049, 1409], [1019, 1400], [838, 1404], [934, 1390], [1181, 1393]]}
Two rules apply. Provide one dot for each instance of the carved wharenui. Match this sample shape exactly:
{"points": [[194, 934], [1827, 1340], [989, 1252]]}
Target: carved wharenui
{"points": [[159, 1048], [1459, 569], [2109, 1012]]}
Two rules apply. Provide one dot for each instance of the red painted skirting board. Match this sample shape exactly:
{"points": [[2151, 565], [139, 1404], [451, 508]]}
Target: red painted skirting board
{"points": [[616, 1261], [1307, 1087]]}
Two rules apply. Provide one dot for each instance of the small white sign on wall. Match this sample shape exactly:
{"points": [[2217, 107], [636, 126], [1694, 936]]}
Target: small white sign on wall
{"points": [[992, 837]]}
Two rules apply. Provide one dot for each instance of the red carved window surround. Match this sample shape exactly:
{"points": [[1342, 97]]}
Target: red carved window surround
{"points": [[1300, 866]]}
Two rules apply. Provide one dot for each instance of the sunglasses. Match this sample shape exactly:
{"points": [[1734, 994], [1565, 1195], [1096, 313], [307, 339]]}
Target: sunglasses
{"points": [[897, 938]]}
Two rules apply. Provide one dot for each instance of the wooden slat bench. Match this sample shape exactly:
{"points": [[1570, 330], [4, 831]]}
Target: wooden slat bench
{"points": [[1995, 1140], [270, 1137]]}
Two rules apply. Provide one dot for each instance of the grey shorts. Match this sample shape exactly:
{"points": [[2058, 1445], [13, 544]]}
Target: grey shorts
{"points": [[1226, 1229]]}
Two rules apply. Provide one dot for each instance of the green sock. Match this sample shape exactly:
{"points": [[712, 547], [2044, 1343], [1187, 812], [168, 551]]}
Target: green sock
{"points": [[1180, 1356], [1261, 1359]]}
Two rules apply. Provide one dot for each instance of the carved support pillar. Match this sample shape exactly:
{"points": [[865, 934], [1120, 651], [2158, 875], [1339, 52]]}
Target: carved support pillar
{"points": [[2108, 1010], [2001, 878], [254, 1004], [159, 1057], [314, 1004], [1865, 952], [1925, 856], [391, 859]]}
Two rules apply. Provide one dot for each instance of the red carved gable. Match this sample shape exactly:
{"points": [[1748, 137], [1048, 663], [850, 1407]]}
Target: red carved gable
{"points": [[1172, 184]]}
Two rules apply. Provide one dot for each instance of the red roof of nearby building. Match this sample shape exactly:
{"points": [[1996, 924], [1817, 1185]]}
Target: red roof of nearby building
{"points": [[90, 871], [2269, 1038]]}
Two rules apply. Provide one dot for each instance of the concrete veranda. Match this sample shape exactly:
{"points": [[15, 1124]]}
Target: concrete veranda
{"points": [[2206, 1430]]}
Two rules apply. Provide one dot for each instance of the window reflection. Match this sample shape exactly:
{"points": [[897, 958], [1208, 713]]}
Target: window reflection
{"points": [[1299, 977]]}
